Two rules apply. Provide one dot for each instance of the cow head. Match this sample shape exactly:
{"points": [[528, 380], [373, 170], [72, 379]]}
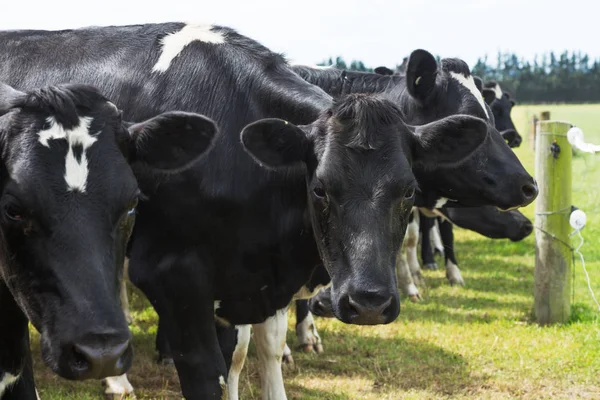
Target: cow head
{"points": [[360, 189], [501, 105], [493, 175], [68, 203], [490, 222]]}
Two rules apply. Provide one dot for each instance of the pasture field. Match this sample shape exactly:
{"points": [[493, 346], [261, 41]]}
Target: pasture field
{"points": [[476, 342]]}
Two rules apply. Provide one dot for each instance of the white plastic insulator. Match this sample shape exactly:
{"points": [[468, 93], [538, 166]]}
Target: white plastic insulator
{"points": [[577, 219]]}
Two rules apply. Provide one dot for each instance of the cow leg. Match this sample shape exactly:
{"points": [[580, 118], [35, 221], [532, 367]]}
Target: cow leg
{"points": [[237, 359], [306, 331], [269, 338], [405, 281], [436, 240], [180, 289], [426, 225], [411, 241], [452, 272], [162, 346], [16, 370]]}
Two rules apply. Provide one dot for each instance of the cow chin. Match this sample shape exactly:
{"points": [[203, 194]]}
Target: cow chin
{"points": [[361, 304]]}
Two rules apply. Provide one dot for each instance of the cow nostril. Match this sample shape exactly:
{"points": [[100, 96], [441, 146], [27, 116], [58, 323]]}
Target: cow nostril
{"points": [[530, 191], [528, 228], [80, 361]]}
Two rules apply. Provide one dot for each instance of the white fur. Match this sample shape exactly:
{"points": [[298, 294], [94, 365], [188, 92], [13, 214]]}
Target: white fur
{"points": [[469, 83], [118, 385], [498, 91], [270, 343], [175, 42], [412, 290], [439, 203], [238, 359], [436, 240], [7, 381], [76, 172], [286, 351], [306, 331], [403, 274], [306, 293]]}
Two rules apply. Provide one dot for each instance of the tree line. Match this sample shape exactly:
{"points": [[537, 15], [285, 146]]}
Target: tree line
{"points": [[568, 77]]}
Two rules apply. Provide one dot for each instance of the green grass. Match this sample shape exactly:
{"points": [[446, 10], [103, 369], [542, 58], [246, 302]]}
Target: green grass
{"points": [[476, 342]]}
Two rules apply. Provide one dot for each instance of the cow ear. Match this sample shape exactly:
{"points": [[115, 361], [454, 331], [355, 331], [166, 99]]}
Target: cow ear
{"points": [[489, 95], [276, 143], [448, 142], [383, 71], [478, 83], [172, 141], [7, 97], [421, 72]]}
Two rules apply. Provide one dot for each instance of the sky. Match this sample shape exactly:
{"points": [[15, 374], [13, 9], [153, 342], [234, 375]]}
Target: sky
{"points": [[375, 31]]}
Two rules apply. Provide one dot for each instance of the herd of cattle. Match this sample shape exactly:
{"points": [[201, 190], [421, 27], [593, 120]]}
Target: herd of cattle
{"points": [[234, 183]]}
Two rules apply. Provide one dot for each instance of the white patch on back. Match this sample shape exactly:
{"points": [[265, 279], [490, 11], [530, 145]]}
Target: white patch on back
{"points": [[498, 91], [469, 83], [76, 172], [7, 381], [175, 42]]}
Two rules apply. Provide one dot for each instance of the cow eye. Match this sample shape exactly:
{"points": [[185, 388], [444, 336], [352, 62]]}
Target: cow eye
{"points": [[14, 212], [410, 194], [319, 190]]}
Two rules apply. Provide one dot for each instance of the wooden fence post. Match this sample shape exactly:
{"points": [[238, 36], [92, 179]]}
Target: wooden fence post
{"points": [[552, 255]]}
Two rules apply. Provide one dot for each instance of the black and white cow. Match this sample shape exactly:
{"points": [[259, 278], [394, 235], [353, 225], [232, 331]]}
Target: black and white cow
{"points": [[498, 100], [443, 89], [69, 192], [501, 104], [234, 241]]}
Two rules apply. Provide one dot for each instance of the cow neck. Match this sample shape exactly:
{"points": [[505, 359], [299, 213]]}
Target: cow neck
{"points": [[338, 82]]}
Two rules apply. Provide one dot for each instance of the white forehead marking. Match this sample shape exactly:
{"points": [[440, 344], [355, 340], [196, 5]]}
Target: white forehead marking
{"points": [[498, 91], [173, 43], [76, 172], [469, 83]]}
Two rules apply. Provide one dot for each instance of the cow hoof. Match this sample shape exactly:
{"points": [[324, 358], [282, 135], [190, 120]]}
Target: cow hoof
{"points": [[287, 362], [456, 282], [122, 396], [307, 348], [319, 348], [432, 266], [415, 298], [453, 274]]}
